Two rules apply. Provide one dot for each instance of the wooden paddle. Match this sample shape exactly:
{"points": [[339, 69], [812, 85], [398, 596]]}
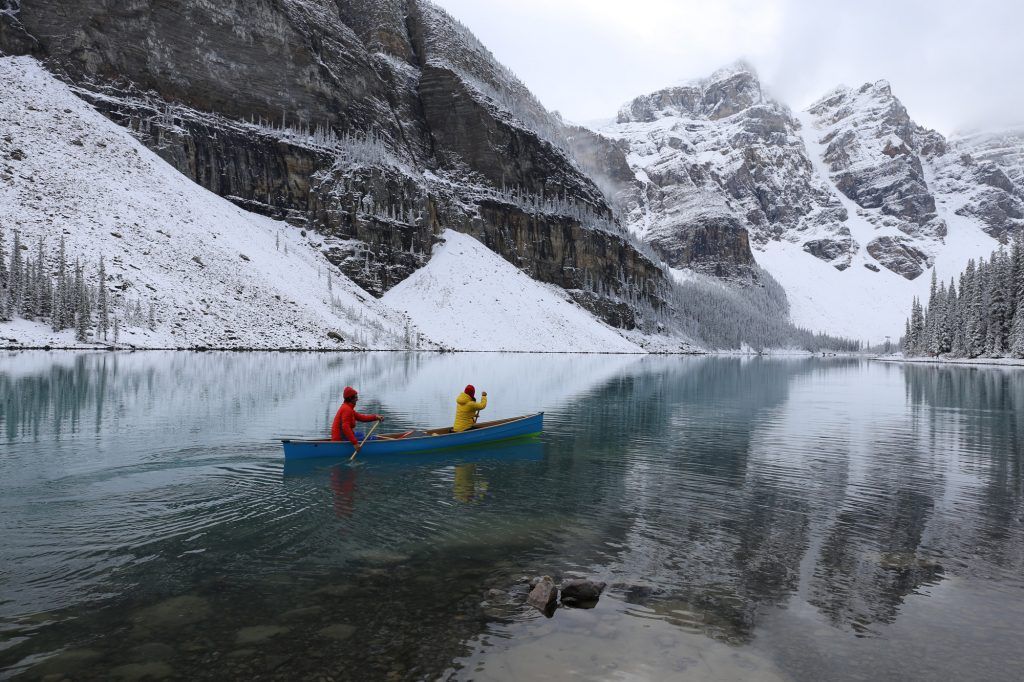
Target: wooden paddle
{"points": [[365, 438]]}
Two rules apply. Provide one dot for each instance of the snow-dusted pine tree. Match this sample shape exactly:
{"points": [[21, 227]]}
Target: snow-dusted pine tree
{"points": [[976, 329], [83, 321], [917, 330], [102, 304], [3, 274], [41, 285], [995, 342], [60, 318], [16, 278], [3, 256]]}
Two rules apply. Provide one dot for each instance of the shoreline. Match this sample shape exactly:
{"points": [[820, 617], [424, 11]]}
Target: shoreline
{"points": [[1012, 363], [241, 349]]}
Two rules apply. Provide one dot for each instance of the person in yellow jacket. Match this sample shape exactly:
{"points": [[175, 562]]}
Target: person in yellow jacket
{"points": [[467, 410]]}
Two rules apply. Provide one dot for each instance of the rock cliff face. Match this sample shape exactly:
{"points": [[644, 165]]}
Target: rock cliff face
{"points": [[375, 123], [904, 177]]}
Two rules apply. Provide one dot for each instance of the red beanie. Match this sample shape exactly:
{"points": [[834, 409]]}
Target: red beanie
{"points": [[470, 391], [349, 392]]}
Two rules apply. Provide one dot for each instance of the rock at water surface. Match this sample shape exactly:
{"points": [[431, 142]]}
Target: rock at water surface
{"points": [[544, 596], [582, 593]]}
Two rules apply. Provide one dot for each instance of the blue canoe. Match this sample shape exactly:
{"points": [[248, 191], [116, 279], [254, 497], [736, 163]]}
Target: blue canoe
{"points": [[435, 439]]}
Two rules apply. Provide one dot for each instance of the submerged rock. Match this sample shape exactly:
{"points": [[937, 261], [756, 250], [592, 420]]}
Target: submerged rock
{"points": [[544, 596], [301, 613], [68, 662], [153, 670], [152, 651], [339, 631], [174, 612], [259, 633], [582, 593]]}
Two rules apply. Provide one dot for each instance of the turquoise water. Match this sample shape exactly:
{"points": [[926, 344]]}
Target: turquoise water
{"points": [[771, 519]]}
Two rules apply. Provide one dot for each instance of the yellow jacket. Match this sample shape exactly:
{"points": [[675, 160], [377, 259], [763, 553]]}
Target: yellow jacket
{"points": [[466, 411]]}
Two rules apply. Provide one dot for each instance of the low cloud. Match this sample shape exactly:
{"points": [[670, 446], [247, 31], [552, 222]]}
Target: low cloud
{"points": [[954, 65]]}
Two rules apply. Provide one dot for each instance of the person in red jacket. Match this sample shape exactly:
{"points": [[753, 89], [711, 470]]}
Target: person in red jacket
{"points": [[346, 418]]}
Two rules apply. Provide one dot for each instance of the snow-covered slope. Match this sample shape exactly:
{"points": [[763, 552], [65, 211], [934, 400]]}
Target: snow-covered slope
{"points": [[469, 298], [217, 275], [848, 205]]}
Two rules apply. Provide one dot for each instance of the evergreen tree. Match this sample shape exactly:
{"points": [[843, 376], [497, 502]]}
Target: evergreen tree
{"points": [[151, 323], [949, 326], [930, 338], [1012, 278], [917, 328], [102, 305], [995, 342], [1016, 344], [117, 329], [59, 319], [976, 318], [15, 276], [81, 301], [3, 257], [3, 274], [41, 285], [937, 315]]}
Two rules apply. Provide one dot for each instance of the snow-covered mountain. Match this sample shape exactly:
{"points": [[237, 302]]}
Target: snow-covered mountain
{"points": [[846, 204], [218, 276]]}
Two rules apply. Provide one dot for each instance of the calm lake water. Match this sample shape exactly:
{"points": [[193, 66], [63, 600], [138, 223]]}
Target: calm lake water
{"points": [[775, 519]]}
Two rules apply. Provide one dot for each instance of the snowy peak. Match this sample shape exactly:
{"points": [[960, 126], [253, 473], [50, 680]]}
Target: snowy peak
{"points": [[873, 153], [726, 92], [722, 166]]}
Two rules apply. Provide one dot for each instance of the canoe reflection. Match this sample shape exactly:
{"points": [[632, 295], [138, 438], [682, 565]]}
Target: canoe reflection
{"points": [[524, 449]]}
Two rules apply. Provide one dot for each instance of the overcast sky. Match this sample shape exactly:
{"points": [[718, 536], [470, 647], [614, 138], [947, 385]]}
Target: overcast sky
{"points": [[953, 63]]}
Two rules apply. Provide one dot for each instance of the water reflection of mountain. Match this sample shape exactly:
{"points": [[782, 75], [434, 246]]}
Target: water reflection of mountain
{"points": [[824, 490]]}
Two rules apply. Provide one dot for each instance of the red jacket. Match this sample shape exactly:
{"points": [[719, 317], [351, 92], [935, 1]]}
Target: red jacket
{"points": [[345, 421]]}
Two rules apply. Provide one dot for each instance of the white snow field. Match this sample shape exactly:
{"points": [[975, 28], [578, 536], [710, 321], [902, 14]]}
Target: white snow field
{"points": [[221, 277], [469, 298]]}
